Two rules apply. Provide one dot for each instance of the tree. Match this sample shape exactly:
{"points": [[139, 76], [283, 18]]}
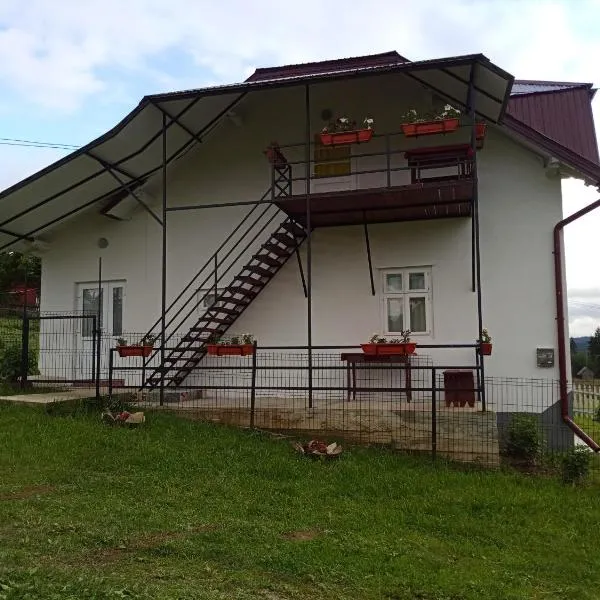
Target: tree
{"points": [[594, 344], [573, 345], [16, 268]]}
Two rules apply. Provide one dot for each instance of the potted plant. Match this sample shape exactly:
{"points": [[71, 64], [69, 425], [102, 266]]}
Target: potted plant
{"points": [[237, 345], [445, 120], [380, 346], [485, 346], [345, 131], [141, 348]]}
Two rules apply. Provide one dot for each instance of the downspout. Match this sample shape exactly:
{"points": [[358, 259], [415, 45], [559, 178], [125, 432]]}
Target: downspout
{"points": [[560, 324]]}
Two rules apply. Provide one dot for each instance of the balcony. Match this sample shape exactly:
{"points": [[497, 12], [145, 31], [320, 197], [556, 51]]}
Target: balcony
{"points": [[389, 178]]}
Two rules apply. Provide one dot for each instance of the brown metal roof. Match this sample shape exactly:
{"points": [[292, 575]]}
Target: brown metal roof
{"points": [[563, 115], [533, 86], [328, 66]]}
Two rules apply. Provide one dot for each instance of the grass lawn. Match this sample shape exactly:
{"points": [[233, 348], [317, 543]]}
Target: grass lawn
{"points": [[183, 510], [591, 427]]}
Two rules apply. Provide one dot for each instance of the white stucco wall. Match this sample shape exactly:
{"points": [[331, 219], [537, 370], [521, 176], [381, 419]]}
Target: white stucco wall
{"points": [[519, 206]]}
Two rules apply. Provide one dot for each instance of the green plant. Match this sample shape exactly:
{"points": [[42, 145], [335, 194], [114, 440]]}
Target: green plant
{"points": [[486, 338], [121, 341], [10, 362], [148, 340], [412, 115], [524, 437], [346, 124], [247, 338], [576, 465]]}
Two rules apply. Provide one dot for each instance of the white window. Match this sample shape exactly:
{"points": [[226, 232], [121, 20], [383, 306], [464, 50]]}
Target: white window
{"points": [[406, 297]]}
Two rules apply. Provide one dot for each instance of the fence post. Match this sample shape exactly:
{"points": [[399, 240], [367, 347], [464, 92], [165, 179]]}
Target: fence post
{"points": [[253, 385], [110, 372], [24, 349], [433, 413]]}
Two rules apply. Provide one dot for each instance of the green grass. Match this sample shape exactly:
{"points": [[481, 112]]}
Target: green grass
{"points": [[591, 427], [182, 510]]}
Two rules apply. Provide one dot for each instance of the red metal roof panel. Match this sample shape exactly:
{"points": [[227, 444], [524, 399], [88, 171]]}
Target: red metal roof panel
{"points": [[564, 116]]}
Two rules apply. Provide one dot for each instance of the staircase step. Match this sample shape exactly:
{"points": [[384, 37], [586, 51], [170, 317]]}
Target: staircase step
{"points": [[211, 319], [223, 309], [267, 260], [258, 270], [175, 359], [249, 280], [276, 249], [247, 296], [294, 229], [285, 238]]}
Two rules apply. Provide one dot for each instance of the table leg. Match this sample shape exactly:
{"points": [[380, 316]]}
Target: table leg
{"points": [[348, 381]]}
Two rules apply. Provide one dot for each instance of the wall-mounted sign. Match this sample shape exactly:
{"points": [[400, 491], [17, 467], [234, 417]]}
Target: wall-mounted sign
{"points": [[545, 357]]}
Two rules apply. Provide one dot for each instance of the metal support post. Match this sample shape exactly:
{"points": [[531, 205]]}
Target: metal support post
{"points": [[308, 249], [368, 244], [99, 329], [475, 224], [163, 297], [25, 339], [434, 413], [253, 388]]}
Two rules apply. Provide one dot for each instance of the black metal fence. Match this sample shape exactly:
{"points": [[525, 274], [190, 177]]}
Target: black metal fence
{"points": [[408, 403], [411, 405]]}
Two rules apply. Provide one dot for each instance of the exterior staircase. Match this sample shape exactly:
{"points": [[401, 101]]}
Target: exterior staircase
{"points": [[230, 303]]}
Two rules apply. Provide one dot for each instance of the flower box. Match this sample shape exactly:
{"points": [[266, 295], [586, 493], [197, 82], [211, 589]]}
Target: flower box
{"points": [[387, 349], [230, 349], [338, 138], [486, 348], [430, 127], [144, 351]]}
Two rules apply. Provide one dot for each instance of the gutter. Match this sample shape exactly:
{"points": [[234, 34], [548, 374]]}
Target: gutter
{"points": [[560, 324]]}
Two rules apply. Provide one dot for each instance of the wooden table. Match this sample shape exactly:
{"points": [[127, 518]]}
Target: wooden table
{"points": [[353, 358]]}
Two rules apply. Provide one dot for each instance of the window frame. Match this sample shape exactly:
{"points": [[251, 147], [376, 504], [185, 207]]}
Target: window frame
{"points": [[406, 294]]}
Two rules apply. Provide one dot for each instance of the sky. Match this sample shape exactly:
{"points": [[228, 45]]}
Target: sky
{"points": [[71, 69]]}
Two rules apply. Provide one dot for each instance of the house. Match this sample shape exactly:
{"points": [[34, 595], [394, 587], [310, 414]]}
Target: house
{"points": [[230, 192], [585, 373]]}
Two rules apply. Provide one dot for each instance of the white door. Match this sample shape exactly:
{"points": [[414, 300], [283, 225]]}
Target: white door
{"points": [[110, 299], [333, 169]]}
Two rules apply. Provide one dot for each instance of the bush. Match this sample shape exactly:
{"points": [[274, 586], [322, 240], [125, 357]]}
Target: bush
{"points": [[524, 437], [596, 416], [10, 362], [576, 465]]}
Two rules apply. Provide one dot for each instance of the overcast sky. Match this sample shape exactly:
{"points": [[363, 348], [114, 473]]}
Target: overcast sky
{"points": [[70, 69]]}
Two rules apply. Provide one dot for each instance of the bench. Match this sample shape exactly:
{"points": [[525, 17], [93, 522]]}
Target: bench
{"points": [[439, 157]]}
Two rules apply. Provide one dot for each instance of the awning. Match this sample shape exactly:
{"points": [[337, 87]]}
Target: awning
{"points": [[132, 152]]}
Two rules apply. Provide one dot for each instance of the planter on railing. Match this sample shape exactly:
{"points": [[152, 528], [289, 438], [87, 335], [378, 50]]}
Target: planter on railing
{"points": [[338, 138], [404, 348], [144, 351], [430, 127], [486, 348], [480, 131], [230, 349]]}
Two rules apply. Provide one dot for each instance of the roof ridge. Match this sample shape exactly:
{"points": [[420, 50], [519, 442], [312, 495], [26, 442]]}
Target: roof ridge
{"points": [[380, 58], [551, 83]]}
